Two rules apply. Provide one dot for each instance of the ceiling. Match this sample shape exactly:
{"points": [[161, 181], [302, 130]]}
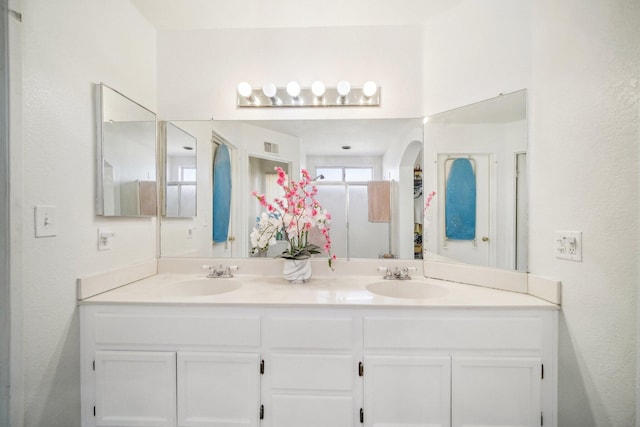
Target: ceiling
{"points": [[212, 14]]}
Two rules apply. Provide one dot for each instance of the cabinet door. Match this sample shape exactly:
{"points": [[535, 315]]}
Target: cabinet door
{"points": [[407, 391], [496, 391], [312, 390], [135, 389], [218, 389]]}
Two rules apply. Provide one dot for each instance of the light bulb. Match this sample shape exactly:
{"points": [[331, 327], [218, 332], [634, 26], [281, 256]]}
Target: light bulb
{"points": [[317, 88], [293, 89], [369, 89], [244, 89], [269, 90], [344, 87]]}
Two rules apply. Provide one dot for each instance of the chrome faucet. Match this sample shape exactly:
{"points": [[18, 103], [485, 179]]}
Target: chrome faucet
{"points": [[219, 272], [396, 273]]}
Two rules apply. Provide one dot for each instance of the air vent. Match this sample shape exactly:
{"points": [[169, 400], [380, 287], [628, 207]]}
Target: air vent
{"points": [[270, 147]]}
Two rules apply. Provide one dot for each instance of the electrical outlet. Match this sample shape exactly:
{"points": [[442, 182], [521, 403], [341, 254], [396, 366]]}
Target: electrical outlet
{"points": [[104, 239], [569, 245]]}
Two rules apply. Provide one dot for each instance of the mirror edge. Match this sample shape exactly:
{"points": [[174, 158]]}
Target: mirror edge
{"points": [[98, 90], [491, 277]]}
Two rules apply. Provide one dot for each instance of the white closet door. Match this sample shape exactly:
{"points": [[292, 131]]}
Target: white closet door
{"points": [[407, 391], [218, 389], [496, 391], [135, 389]]}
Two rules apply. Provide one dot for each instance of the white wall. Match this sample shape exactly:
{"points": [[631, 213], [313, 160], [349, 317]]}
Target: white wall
{"points": [[584, 159], [68, 45], [198, 71], [475, 51]]}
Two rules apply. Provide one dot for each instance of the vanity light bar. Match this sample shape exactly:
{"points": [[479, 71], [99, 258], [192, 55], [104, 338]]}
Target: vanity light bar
{"points": [[343, 95]]}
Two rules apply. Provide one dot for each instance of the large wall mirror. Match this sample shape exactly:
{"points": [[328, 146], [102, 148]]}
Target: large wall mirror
{"points": [[479, 158], [365, 172], [351, 160], [126, 156]]}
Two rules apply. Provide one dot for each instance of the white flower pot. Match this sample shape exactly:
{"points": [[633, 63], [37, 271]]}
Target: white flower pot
{"points": [[297, 270]]}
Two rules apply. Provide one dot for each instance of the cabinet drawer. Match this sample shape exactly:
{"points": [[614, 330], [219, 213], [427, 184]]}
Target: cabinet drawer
{"points": [[312, 411], [141, 330], [306, 333], [490, 333], [312, 372]]}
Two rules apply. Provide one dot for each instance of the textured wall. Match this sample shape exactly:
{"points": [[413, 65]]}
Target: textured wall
{"points": [[68, 45], [585, 162], [580, 61]]}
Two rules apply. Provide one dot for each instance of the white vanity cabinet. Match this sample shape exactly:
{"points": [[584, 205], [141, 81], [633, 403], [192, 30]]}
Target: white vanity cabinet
{"points": [[170, 366], [459, 368], [317, 366]]}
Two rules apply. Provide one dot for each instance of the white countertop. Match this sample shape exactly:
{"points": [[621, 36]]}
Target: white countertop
{"points": [[331, 290]]}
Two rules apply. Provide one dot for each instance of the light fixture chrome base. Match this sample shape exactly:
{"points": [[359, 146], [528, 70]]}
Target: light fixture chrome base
{"points": [[331, 98]]}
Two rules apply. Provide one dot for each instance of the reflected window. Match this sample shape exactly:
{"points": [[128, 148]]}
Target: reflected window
{"points": [[345, 174], [188, 174]]}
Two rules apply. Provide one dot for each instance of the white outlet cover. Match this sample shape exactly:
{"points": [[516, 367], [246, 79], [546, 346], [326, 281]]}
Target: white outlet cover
{"points": [[46, 222], [568, 245], [104, 239]]}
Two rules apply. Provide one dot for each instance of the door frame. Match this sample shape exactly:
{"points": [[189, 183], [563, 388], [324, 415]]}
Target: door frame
{"points": [[5, 246]]}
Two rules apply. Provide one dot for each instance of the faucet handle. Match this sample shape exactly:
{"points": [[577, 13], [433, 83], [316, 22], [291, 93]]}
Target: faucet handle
{"points": [[229, 269], [404, 273]]}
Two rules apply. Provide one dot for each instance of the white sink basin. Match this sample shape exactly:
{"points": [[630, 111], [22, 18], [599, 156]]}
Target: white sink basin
{"points": [[406, 289], [202, 287]]}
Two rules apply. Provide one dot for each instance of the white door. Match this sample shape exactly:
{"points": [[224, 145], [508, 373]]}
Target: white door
{"points": [[478, 251], [218, 389], [496, 391], [135, 389], [407, 391]]}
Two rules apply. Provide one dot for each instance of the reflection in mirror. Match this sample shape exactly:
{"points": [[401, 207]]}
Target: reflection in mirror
{"points": [[263, 179], [126, 160], [180, 182], [191, 236], [386, 151], [364, 175], [479, 215]]}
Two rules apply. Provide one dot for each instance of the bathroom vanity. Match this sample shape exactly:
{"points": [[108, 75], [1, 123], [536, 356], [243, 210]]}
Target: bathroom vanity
{"points": [[184, 350]]}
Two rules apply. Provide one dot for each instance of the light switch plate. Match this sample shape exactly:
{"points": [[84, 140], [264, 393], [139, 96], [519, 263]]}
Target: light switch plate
{"points": [[569, 245], [46, 222]]}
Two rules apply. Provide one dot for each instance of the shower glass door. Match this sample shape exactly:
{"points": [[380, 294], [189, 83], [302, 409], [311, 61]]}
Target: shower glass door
{"points": [[352, 235]]}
